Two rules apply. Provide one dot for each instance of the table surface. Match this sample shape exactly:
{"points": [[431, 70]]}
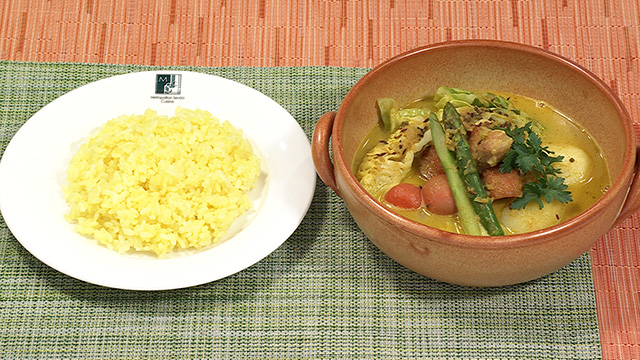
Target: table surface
{"points": [[603, 36]]}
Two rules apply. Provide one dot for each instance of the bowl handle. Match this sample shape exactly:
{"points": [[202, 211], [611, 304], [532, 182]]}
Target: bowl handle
{"points": [[632, 202], [320, 150]]}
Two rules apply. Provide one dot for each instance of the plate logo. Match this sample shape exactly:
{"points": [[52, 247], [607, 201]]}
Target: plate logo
{"points": [[168, 84]]}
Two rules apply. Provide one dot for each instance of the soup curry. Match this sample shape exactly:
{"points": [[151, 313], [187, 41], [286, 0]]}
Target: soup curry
{"points": [[399, 165]]}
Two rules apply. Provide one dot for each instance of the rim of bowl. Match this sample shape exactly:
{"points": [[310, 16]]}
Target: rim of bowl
{"points": [[489, 242]]}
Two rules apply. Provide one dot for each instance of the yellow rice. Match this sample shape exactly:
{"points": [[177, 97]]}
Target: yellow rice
{"points": [[158, 183]]}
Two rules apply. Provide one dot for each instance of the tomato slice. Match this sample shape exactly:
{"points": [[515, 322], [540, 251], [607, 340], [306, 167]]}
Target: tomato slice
{"points": [[404, 196], [437, 196]]}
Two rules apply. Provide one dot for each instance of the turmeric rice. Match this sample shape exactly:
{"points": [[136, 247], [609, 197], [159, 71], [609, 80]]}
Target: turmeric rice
{"points": [[160, 183]]}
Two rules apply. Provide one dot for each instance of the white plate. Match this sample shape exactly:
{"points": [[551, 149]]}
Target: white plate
{"points": [[32, 172]]}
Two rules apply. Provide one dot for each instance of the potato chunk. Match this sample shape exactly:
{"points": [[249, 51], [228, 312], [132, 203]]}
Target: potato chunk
{"points": [[532, 218], [576, 165]]}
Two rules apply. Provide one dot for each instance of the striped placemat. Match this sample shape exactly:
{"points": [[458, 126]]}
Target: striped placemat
{"points": [[327, 293]]}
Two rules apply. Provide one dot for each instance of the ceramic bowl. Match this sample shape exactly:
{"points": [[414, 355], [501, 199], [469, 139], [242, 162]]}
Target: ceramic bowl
{"points": [[491, 65]]}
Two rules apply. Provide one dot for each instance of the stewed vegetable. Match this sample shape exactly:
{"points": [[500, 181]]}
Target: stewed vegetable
{"points": [[480, 163]]}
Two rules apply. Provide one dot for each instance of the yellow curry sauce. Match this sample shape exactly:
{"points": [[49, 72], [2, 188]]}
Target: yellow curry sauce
{"points": [[557, 129]]}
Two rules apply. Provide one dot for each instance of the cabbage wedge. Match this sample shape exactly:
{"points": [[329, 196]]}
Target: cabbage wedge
{"points": [[390, 160]]}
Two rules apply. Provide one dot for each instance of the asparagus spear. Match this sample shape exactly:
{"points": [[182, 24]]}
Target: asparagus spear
{"points": [[482, 204], [466, 211]]}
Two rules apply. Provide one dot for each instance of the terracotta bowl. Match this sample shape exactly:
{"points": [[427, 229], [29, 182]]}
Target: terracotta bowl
{"points": [[490, 65]]}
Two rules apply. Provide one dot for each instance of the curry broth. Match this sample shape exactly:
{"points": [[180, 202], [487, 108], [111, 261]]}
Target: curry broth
{"points": [[557, 128]]}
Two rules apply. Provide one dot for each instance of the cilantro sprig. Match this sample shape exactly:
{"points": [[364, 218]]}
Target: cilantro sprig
{"points": [[529, 156]]}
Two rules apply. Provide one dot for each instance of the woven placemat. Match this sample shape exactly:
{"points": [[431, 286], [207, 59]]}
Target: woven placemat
{"points": [[326, 293]]}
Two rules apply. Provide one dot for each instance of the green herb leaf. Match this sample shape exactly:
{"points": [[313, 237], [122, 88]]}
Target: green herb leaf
{"points": [[557, 189], [528, 196], [529, 156]]}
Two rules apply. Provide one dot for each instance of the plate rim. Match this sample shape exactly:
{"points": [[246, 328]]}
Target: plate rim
{"points": [[294, 129]]}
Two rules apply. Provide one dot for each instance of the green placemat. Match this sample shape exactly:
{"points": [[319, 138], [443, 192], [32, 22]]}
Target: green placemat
{"points": [[327, 293]]}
